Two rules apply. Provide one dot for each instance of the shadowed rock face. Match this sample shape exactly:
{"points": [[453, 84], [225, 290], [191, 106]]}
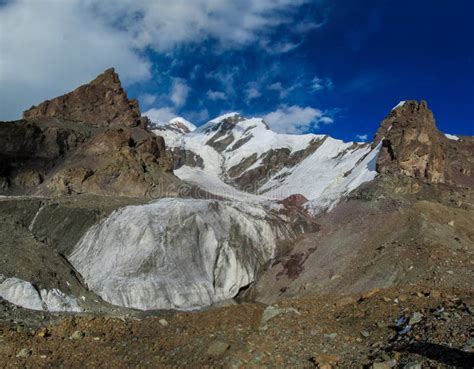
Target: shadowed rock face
{"points": [[123, 162], [91, 140], [102, 103], [414, 147]]}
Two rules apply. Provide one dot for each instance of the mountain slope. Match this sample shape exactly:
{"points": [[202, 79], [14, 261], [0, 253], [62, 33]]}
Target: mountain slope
{"points": [[231, 154]]}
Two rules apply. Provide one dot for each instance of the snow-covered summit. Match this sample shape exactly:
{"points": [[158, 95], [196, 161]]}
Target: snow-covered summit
{"points": [[181, 124], [238, 157]]}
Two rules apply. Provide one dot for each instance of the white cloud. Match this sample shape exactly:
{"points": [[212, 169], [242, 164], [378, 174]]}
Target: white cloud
{"points": [[226, 78], [198, 116], [318, 84], [165, 24], [278, 47], [282, 91], [179, 92], [216, 95], [161, 115], [147, 99], [362, 137], [48, 48], [296, 119], [252, 93]]}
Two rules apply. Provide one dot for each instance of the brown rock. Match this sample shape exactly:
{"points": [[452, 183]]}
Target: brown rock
{"points": [[91, 140], [129, 162], [217, 348], [345, 301], [411, 143], [101, 102], [326, 360], [412, 146], [370, 293]]}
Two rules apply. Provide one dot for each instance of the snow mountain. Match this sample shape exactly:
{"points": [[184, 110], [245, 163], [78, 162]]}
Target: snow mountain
{"points": [[242, 158]]}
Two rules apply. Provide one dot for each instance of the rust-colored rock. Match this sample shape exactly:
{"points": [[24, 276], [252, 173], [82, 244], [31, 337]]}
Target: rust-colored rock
{"points": [[411, 143], [412, 146], [89, 141], [128, 162], [102, 103]]}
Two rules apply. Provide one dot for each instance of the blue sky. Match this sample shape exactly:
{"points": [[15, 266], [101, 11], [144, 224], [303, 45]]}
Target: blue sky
{"points": [[334, 67]]}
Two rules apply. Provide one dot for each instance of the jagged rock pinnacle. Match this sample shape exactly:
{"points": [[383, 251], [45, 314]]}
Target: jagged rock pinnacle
{"points": [[413, 146], [101, 102]]}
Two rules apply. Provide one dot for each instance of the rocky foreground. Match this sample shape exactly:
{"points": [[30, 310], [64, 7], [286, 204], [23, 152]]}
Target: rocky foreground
{"points": [[285, 250], [413, 327]]}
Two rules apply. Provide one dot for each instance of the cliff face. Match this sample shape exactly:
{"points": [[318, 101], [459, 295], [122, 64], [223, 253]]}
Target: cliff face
{"points": [[412, 146], [123, 162], [91, 140], [102, 103]]}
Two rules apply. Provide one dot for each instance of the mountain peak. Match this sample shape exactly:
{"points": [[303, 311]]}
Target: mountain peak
{"points": [[407, 114], [181, 124], [227, 116], [102, 102], [411, 143]]}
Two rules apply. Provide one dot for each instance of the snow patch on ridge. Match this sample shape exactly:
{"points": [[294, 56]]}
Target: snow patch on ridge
{"points": [[363, 171], [452, 137], [399, 105], [177, 253]]}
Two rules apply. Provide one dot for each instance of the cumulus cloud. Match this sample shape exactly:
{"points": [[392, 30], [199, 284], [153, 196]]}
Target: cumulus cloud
{"points": [[49, 47], [216, 95], [179, 92], [147, 99], [161, 115], [296, 119], [163, 25]]}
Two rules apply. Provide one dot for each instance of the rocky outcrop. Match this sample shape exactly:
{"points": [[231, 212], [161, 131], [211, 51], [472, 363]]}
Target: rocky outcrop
{"points": [[91, 140], [412, 146], [129, 162], [29, 151], [102, 103]]}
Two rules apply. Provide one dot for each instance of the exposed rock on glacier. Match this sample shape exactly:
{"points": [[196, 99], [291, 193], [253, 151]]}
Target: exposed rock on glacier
{"points": [[24, 294], [178, 253]]}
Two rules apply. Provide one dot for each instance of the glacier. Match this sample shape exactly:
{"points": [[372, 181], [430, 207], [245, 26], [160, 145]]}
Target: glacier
{"points": [[178, 253], [24, 294]]}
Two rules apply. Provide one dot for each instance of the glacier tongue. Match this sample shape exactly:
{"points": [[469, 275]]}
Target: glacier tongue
{"points": [[177, 253]]}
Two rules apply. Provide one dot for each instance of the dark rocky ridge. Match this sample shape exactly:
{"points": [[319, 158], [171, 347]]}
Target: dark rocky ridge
{"points": [[92, 140], [102, 102]]}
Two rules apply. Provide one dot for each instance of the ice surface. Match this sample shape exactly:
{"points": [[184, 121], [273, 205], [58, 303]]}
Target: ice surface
{"points": [[176, 253], [323, 177], [24, 294]]}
